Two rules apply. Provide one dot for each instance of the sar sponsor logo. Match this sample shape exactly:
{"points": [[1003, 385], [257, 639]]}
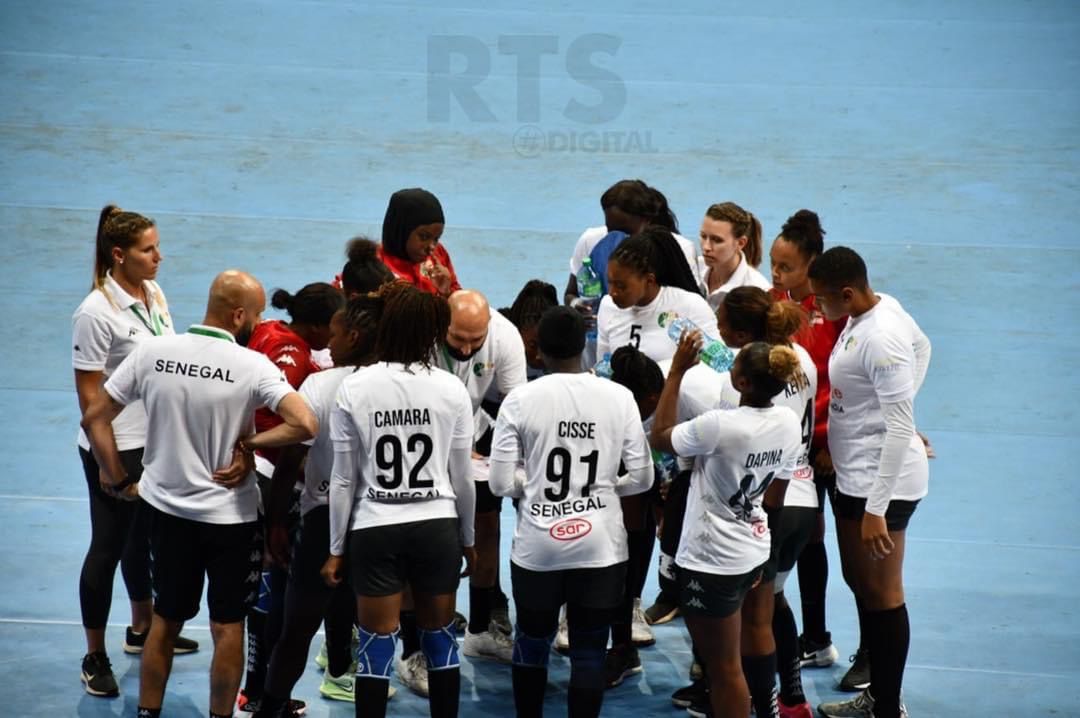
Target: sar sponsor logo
{"points": [[570, 529], [804, 473], [760, 528]]}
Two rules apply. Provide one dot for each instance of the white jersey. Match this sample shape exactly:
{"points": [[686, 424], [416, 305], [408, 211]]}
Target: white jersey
{"points": [[799, 397], [201, 391], [725, 530], [640, 326], [592, 236], [320, 390], [873, 362], [572, 430], [702, 389], [400, 424], [743, 276], [105, 328]]}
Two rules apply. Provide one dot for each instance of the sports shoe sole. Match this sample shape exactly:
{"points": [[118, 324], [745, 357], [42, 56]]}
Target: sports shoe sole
{"points": [[624, 675], [644, 644], [100, 694], [671, 615], [178, 650]]}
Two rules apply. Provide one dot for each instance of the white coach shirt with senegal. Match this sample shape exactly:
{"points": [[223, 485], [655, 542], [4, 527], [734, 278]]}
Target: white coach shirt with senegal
{"points": [[200, 390], [572, 430]]}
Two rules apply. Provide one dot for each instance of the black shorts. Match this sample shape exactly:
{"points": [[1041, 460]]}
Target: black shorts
{"points": [[852, 508], [790, 529], [486, 502], [599, 588], [713, 595], [310, 551], [424, 554], [184, 551]]}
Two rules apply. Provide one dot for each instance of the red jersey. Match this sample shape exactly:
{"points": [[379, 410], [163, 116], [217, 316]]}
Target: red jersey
{"points": [[818, 338], [291, 355], [413, 273]]}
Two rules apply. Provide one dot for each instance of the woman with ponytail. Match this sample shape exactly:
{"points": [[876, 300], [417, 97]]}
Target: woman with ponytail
{"points": [[125, 306], [731, 247], [800, 242], [748, 455], [289, 345]]}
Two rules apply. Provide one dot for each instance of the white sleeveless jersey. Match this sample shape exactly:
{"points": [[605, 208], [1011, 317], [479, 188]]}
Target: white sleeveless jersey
{"points": [[572, 431], [400, 424], [320, 390], [640, 326], [743, 450], [872, 362]]}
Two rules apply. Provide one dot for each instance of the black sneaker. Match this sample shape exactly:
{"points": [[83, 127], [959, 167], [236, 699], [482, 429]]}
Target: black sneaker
{"points": [[664, 609], [700, 707], [134, 642], [814, 654], [619, 664], [97, 675], [696, 692], [857, 677]]}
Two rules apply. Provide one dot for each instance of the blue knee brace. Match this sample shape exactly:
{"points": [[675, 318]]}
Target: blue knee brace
{"points": [[262, 605], [375, 654], [587, 649], [440, 648], [530, 651]]}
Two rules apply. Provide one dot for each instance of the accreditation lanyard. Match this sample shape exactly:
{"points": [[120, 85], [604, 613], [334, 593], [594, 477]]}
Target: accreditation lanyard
{"points": [[155, 327]]}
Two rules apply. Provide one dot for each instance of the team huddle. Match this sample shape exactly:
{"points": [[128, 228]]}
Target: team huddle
{"points": [[347, 468]]}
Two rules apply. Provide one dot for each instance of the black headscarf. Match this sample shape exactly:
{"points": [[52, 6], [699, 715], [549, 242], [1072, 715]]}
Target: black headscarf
{"points": [[408, 209]]}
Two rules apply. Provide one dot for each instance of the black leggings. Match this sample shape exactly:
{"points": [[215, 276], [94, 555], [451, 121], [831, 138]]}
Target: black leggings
{"points": [[119, 534]]}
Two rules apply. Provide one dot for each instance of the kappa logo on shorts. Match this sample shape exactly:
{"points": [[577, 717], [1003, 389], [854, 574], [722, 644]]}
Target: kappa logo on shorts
{"points": [[695, 603], [695, 586], [570, 529]]}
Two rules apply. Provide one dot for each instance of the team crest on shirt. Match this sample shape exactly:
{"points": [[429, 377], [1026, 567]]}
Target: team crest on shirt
{"points": [[663, 318], [851, 341], [479, 368]]}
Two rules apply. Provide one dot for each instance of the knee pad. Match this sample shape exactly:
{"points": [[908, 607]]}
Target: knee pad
{"points": [[530, 651], [262, 604], [588, 647], [375, 654], [778, 582], [440, 648]]}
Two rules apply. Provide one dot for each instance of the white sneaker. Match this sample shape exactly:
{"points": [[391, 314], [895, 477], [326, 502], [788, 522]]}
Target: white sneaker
{"points": [[640, 633], [488, 644], [412, 672], [562, 638]]}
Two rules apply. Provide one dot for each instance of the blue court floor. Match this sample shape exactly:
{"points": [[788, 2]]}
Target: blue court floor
{"points": [[941, 140]]}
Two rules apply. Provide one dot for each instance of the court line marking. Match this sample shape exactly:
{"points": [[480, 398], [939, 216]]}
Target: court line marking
{"points": [[353, 222]]}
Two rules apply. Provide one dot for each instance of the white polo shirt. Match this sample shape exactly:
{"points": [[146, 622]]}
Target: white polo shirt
{"points": [[640, 326], [201, 390], [320, 391], [105, 328], [742, 451], [872, 362], [743, 276], [572, 431], [592, 236]]}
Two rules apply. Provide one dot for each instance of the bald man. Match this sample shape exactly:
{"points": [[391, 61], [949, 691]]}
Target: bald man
{"points": [[484, 350], [200, 390]]}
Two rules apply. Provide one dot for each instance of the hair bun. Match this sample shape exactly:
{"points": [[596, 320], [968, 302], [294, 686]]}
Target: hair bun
{"points": [[360, 250], [281, 299]]}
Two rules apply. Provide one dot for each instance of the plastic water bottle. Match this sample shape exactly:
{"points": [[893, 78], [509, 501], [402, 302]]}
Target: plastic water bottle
{"points": [[590, 290], [714, 353], [603, 367], [666, 464]]}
